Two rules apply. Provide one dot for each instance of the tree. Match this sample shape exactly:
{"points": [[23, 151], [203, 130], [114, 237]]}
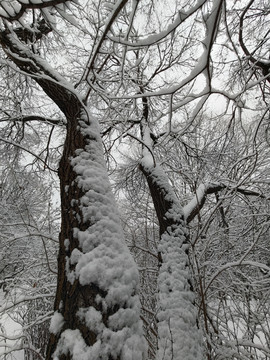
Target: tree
{"points": [[149, 77], [28, 258], [171, 122], [96, 306]]}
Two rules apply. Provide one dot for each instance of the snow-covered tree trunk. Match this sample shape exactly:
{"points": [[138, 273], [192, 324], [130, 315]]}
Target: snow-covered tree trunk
{"points": [[97, 313], [97, 309], [179, 336]]}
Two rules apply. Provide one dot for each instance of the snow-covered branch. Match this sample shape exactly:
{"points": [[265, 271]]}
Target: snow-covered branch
{"points": [[154, 39], [196, 203], [14, 10], [113, 15]]}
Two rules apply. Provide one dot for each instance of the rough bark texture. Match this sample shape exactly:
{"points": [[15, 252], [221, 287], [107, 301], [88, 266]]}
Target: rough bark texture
{"points": [[70, 296], [162, 202]]}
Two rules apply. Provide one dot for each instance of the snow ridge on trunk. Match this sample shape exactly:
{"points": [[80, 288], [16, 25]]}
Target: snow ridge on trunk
{"points": [[179, 336]]}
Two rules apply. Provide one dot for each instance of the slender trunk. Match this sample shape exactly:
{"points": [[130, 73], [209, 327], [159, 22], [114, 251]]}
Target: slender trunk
{"points": [[179, 336]]}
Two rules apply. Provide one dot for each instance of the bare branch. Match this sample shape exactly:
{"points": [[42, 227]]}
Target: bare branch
{"points": [[264, 66], [28, 118], [28, 151], [118, 7]]}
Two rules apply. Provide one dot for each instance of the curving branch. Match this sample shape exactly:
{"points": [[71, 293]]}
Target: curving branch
{"points": [[192, 209], [12, 12], [202, 66], [263, 65], [55, 86], [156, 38]]}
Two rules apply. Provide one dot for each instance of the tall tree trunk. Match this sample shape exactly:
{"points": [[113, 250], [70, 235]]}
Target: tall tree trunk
{"points": [[97, 313], [179, 336], [96, 299]]}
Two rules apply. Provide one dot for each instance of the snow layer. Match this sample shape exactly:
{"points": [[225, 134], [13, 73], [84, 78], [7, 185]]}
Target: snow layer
{"points": [[179, 337], [153, 39], [195, 201], [57, 323], [102, 259], [111, 342]]}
